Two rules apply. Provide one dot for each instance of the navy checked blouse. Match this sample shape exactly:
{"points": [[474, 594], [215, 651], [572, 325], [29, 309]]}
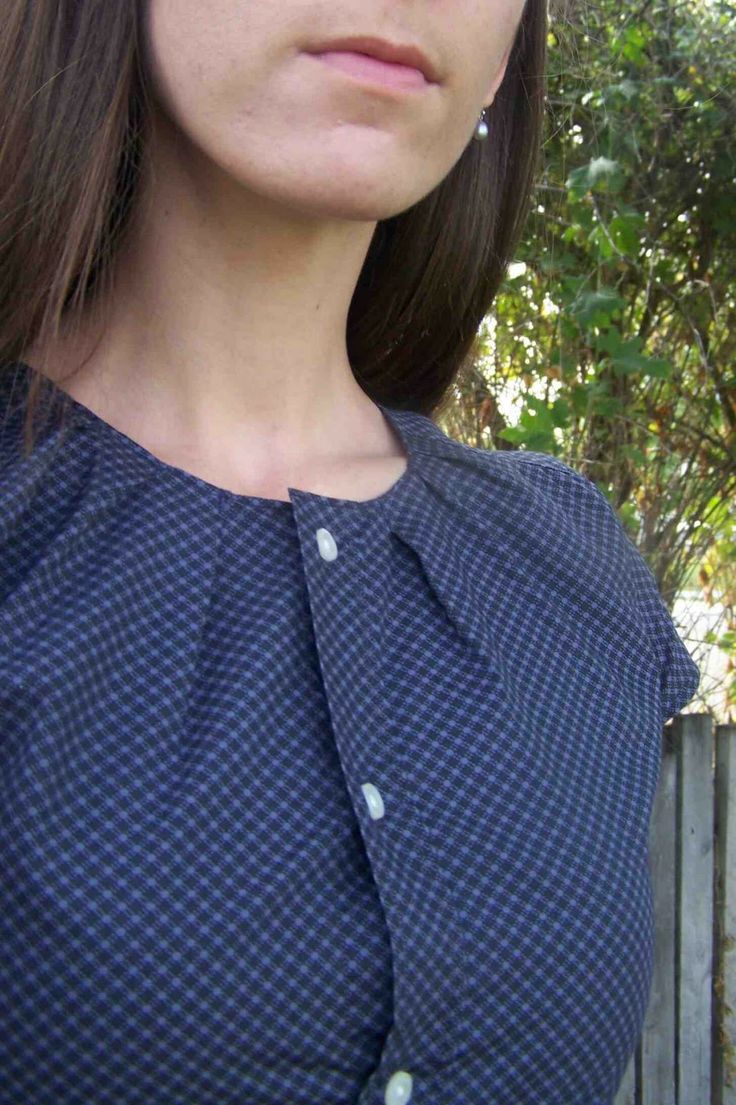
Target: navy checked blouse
{"points": [[321, 802]]}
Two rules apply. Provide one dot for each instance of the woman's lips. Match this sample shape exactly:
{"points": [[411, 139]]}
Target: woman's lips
{"points": [[365, 67]]}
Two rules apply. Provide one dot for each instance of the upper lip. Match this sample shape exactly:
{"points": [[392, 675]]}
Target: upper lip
{"points": [[381, 48]]}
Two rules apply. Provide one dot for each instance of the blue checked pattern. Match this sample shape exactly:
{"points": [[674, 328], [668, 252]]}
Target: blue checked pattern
{"points": [[200, 716]]}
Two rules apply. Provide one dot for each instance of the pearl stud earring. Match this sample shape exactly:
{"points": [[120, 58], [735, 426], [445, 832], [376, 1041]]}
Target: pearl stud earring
{"points": [[481, 130]]}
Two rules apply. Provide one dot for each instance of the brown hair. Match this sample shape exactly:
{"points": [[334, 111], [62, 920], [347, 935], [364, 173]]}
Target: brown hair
{"points": [[74, 105]]}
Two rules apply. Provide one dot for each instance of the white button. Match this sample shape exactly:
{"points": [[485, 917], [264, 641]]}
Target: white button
{"points": [[327, 544], [398, 1088], [372, 796]]}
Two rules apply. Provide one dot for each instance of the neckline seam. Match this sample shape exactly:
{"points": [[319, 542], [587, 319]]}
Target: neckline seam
{"points": [[84, 417]]}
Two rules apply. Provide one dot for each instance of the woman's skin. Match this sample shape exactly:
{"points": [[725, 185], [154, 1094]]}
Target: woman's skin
{"points": [[224, 348]]}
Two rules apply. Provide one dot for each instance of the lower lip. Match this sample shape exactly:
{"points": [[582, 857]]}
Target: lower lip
{"points": [[370, 69]]}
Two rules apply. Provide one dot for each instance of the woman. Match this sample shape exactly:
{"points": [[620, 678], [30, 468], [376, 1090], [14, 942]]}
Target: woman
{"points": [[328, 742]]}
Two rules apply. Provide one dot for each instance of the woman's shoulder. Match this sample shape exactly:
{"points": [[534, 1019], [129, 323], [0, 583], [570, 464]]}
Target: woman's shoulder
{"points": [[63, 472], [508, 532]]}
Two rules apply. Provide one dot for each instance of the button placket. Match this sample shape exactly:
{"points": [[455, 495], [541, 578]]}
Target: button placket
{"points": [[328, 551], [348, 601]]}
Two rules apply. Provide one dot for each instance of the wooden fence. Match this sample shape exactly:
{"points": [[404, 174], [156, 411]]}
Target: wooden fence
{"points": [[686, 1054]]}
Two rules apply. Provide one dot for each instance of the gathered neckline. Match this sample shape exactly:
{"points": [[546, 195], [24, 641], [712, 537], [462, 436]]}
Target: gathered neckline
{"points": [[182, 475]]}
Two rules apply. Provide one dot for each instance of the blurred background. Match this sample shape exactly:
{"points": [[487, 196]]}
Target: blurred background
{"points": [[612, 343]]}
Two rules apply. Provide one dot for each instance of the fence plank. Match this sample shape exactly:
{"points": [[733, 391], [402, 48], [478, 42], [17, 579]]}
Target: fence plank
{"points": [[658, 1036], [724, 1041], [626, 1094], [695, 908]]}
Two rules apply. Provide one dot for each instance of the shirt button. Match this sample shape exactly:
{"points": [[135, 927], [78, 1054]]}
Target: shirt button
{"points": [[398, 1088], [372, 796], [326, 544]]}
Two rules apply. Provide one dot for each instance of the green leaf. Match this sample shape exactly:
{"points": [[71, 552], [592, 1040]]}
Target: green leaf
{"points": [[626, 356], [601, 173], [579, 397], [607, 406], [611, 340], [627, 88], [630, 43], [634, 454], [658, 367], [601, 241], [531, 438], [623, 229], [514, 434], [536, 416], [596, 308], [560, 412]]}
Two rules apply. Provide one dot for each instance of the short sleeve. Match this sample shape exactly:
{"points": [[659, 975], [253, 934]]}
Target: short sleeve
{"points": [[629, 572], [679, 674]]}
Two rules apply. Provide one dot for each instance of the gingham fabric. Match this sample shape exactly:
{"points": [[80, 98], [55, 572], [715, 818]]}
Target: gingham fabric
{"points": [[322, 802]]}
